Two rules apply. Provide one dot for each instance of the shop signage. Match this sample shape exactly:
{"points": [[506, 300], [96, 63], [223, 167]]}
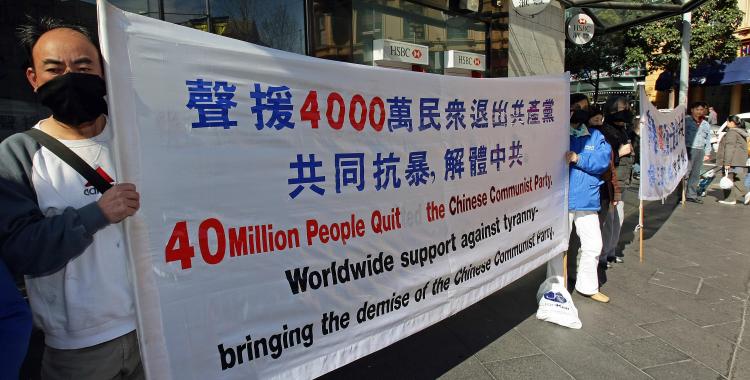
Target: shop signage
{"points": [[530, 7], [455, 59], [580, 29], [397, 51]]}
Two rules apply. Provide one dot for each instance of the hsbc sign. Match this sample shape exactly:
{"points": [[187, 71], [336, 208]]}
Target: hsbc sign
{"points": [[455, 59], [397, 51], [581, 29]]}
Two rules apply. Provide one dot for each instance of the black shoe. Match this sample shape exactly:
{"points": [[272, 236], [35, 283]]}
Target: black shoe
{"points": [[619, 260], [694, 200]]}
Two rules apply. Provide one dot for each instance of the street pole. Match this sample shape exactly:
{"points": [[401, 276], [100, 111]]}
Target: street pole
{"points": [[685, 57], [209, 27], [160, 5], [684, 73]]}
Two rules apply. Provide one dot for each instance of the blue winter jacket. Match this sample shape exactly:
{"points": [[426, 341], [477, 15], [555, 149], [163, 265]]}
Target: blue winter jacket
{"points": [[585, 175], [15, 326]]}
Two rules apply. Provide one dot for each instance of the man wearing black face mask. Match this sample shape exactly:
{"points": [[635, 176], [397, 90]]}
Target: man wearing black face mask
{"points": [[56, 228]]}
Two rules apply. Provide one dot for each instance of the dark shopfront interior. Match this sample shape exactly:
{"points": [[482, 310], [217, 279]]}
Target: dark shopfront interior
{"points": [[342, 30]]}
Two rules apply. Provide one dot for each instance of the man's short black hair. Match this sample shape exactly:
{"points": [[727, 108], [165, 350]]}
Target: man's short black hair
{"points": [[29, 33], [577, 97], [613, 103], [595, 110], [698, 104]]}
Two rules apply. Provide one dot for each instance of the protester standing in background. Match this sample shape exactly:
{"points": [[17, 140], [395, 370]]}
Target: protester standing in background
{"points": [[698, 143], [588, 159], [610, 195], [732, 156], [619, 135], [712, 117]]}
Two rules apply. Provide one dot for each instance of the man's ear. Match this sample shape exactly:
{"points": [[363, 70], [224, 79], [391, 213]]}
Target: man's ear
{"points": [[31, 77]]}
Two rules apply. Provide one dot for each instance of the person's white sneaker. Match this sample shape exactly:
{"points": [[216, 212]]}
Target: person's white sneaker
{"points": [[747, 198], [728, 202]]}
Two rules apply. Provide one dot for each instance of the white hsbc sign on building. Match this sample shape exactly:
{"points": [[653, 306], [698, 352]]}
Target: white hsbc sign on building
{"points": [[396, 51], [455, 59]]}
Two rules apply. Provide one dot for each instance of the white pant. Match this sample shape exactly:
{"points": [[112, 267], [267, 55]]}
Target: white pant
{"points": [[587, 228]]}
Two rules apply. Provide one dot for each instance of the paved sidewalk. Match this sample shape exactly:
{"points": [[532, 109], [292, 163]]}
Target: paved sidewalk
{"points": [[682, 314]]}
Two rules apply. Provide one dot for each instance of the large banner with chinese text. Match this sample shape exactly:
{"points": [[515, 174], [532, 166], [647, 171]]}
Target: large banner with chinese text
{"points": [[663, 155], [298, 214]]}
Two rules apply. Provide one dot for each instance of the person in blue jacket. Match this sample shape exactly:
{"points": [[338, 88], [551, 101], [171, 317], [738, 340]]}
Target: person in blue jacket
{"points": [[588, 158]]}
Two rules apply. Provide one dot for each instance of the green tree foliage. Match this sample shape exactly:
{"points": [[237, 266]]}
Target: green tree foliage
{"points": [[603, 56], [659, 43]]}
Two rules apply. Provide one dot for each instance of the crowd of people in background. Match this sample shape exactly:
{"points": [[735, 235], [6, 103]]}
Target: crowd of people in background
{"points": [[602, 158], [732, 155], [604, 161]]}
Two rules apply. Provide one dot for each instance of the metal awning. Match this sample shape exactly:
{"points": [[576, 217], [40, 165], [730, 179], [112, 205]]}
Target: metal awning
{"points": [[607, 86], [737, 72], [611, 16]]}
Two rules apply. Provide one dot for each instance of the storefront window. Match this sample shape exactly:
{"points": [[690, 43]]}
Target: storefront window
{"points": [[745, 49], [330, 29], [279, 24], [415, 23]]}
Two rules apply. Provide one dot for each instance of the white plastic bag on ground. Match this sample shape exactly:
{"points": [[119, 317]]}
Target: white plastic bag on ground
{"points": [[556, 304]]}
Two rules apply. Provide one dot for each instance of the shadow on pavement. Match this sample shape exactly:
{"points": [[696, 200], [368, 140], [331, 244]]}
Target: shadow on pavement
{"points": [[432, 352]]}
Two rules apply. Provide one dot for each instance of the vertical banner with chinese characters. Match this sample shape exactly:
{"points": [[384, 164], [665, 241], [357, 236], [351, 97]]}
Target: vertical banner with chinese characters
{"points": [[298, 214], [663, 154]]}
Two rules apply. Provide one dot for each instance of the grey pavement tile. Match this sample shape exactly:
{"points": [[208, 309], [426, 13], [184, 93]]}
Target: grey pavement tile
{"points": [[712, 294], [672, 250], [698, 270], [741, 367], [471, 368], [639, 310], [729, 284], [648, 352], [509, 346], [701, 345], [735, 267], [700, 312], [528, 367], [578, 352], [687, 370], [692, 246], [675, 280], [728, 331], [606, 323]]}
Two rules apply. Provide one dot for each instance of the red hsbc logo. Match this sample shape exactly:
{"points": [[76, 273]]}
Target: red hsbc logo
{"points": [[477, 61], [582, 21], [416, 53]]}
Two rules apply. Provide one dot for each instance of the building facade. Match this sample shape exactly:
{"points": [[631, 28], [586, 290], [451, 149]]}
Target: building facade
{"points": [[343, 30]]}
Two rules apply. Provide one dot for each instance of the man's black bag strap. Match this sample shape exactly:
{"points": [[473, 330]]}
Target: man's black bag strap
{"points": [[70, 158]]}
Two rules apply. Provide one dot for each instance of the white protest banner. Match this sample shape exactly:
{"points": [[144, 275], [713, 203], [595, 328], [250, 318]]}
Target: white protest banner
{"points": [[298, 214], [663, 154]]}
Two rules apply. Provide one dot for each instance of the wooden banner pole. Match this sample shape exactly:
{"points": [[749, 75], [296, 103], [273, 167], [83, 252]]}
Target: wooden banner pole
{"points": [[641, 228], [684, 190], [565, 269]]}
